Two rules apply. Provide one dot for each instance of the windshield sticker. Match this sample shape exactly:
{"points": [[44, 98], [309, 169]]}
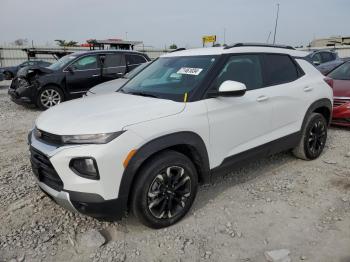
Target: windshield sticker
{"points": [[189, 71]]}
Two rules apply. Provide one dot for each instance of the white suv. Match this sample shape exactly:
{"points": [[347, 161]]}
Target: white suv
{"points": [[188, 115]]}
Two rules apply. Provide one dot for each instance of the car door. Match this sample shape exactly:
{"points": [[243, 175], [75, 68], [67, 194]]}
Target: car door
{"points": [[286, 89], [239, 123], [83, 74], [133, 61], [113, 66]]}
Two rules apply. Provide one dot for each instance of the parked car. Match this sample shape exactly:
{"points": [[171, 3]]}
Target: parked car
{"points": [[71, 76], [322, 56], [114, 85], [341, 89], [187, 116], [11, 71], [329, 66]]}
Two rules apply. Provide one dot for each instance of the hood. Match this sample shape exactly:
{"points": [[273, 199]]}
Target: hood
{"points": [[341, 88], [108, 87], [104, 113], [27, 70]]}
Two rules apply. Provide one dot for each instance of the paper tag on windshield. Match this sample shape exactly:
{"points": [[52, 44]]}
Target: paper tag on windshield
{"points": [[190, 71]]}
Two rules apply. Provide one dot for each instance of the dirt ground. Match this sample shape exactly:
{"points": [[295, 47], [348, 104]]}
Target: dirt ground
{"points": [[274, 203]]}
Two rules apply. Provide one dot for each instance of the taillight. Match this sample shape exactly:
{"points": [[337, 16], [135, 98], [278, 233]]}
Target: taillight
{"points": [[329, 81]]}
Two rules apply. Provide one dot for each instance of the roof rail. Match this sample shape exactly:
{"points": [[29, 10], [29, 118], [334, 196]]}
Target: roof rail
{"points": [[259, 45], [178, 49]]}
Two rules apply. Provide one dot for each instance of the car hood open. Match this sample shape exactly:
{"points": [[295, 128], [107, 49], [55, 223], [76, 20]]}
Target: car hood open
{"points": [[104, 113]]}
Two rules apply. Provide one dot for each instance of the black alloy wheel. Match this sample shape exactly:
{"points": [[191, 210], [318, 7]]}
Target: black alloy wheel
{"points": [[169, 192], [165, 188]]}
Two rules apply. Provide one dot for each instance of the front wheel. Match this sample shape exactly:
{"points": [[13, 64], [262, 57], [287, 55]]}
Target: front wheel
{"points": [[313, 140], [49, 96], [165, 189]]}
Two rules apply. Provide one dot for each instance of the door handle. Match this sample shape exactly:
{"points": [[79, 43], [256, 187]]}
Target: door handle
{"points": [[308, 88], [262, 98], [95, 75]]}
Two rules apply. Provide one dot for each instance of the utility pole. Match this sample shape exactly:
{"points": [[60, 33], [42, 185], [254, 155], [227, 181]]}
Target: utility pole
{"points": [[274, 36], [224, 35], [126, 35]]}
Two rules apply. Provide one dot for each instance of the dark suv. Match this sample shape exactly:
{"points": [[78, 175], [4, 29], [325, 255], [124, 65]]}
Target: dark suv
{"points": [[71, 76], [322, 56]]}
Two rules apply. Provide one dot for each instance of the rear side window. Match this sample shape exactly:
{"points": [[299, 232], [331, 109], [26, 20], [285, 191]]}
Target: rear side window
{"points": [[114, 60], [135, 59], [279, 69]]}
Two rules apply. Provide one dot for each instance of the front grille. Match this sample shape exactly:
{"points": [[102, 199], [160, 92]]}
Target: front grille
{"points": [[44, 170], [340, 102], [48, 137]]}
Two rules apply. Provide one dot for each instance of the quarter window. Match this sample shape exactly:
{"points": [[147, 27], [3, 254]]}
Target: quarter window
{"points": [[279, 69], [86, 63], [242, 68], [114, 60]]}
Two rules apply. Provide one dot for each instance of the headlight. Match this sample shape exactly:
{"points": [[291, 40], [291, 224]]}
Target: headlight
{"points": [[91, 139]]}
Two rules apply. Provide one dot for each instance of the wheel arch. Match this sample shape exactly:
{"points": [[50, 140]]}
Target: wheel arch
{"points": [[187, 143], [322, 106]]}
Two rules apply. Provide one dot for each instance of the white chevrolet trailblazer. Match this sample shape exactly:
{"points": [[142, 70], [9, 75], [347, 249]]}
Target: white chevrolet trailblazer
{"points": [[185, 117]]}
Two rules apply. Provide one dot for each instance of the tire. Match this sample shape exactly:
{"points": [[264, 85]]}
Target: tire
{"points": [[153, 190], [7, 75], [313, 139], [49, 96]]}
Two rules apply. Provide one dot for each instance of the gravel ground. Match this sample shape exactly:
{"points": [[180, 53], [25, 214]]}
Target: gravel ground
{"points": [[274, 203]]}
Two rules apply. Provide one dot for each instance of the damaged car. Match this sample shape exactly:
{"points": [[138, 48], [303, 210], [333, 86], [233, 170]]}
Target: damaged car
{"points": [[71, 76]]}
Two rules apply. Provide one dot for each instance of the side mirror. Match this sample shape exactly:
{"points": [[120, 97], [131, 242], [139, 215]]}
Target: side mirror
{"points": [[230, 88], [71, 69], [316, 63]]}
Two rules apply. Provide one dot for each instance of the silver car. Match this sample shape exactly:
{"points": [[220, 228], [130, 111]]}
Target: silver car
{"points": [[114, 85]]}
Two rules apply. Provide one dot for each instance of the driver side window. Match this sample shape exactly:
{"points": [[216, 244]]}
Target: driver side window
{"points": [[85, 63], [245, 69]]}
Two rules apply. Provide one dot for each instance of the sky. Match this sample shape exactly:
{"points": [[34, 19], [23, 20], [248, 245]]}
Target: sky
{"points": [[159, 23]]}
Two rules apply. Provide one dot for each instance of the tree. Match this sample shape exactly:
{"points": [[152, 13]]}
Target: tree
{"points": [[21, 41], [65, 43], [173, 46]]}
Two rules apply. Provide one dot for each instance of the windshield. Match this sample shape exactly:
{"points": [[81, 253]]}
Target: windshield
{"points": [[170, 77], [61, 62], [341, 73]]}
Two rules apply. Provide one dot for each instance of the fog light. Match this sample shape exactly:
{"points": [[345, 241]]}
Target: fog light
{"points": [[85, 167]]}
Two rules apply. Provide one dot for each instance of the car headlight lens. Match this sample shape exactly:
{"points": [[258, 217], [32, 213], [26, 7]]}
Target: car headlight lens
{"points": [[90, 139]]}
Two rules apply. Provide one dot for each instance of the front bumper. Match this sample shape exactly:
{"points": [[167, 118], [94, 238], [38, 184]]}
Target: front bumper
{"points": [[22, 94], [96, 198]]}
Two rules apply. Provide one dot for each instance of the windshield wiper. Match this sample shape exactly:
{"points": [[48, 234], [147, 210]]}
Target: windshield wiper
{"points": [[142, 94]]}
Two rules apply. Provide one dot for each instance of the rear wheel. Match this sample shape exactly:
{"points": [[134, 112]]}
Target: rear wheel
{"points": [[165, 190], [49, 96], [313, 140]]}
